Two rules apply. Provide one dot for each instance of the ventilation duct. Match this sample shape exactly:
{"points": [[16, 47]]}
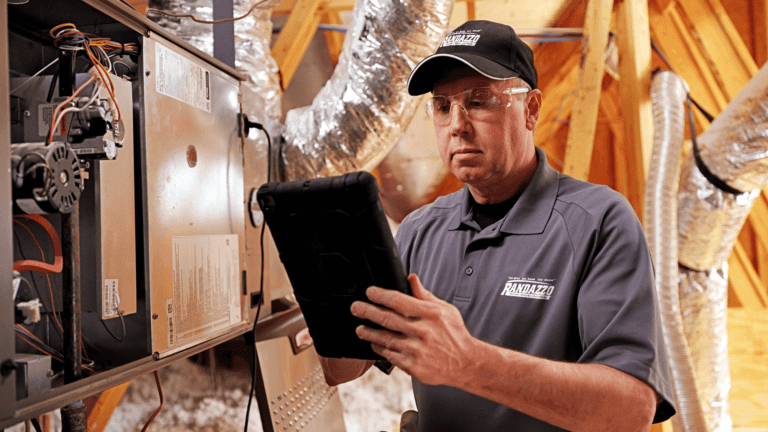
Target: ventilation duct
{"points": [[364, 108], [734, 150], [668, 93], [252, 41]]}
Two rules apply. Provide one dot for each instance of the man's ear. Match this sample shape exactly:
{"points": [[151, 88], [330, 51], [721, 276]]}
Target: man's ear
{"points": [[533, 108]]}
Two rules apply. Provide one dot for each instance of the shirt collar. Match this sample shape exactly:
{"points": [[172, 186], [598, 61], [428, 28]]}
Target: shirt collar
{"points": [[532, 210]]}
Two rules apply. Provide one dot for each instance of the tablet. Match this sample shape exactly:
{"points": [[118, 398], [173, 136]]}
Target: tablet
{"points": [[335, 242]]}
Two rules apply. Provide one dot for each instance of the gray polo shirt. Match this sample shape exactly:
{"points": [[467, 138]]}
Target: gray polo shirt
{"points": [[565, 275]]}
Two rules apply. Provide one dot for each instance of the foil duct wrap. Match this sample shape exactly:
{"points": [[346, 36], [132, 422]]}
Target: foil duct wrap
{"points": [[735, 147], [364, 108], [668, 93], [709, 220], [704, 302], [252, 41]]}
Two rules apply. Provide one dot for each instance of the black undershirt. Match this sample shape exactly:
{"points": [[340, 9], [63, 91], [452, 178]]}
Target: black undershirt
{"points": [[488, 214]]}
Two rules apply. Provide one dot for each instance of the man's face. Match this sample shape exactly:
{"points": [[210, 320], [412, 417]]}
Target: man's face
{"points": [[490, 152]]}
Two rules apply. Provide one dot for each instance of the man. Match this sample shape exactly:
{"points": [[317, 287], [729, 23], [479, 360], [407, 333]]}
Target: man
{"points": [[533, 303]]}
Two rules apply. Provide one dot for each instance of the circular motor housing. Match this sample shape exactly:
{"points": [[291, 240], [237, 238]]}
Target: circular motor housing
{"points": [[46, 179]]}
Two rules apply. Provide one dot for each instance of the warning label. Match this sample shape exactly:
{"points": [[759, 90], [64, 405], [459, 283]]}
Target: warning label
{"points": [[111, 298], [206, 286], [182, 79]]}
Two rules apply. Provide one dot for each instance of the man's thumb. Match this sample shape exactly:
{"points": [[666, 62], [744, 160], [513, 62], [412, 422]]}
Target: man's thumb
{"points": [[418, 289]]}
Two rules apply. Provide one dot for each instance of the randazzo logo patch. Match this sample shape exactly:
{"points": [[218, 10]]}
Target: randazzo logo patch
{"points": [[461, 38], [540, 289]]}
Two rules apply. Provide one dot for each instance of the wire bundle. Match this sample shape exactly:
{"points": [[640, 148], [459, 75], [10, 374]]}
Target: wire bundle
{"points": [[98, 50]]}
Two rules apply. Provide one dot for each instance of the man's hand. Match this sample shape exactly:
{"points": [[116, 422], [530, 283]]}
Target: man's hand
{"points": [[426, 337]]}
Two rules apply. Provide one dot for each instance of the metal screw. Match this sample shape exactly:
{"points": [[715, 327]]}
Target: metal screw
{"points": [[156, 356], [155, 316], [27, 113]]}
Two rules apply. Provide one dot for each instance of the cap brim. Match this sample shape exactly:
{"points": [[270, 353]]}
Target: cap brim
{"points": [[431, 69]]}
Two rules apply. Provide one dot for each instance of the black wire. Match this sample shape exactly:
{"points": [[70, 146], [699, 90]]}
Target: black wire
{"points": [[252, 337], [42, 345], [36, 424], [120, 339], [656, 48]]}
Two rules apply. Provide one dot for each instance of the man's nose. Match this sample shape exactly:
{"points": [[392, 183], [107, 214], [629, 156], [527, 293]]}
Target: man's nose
{"points": [[458, 117]]}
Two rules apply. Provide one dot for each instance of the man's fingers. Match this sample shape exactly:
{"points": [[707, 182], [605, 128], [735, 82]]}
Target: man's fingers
{"points": [[410, 306], [381, 316], [384, 338]]}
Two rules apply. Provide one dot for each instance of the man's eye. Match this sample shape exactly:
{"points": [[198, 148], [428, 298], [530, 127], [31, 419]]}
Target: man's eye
{"points": [[441, 106], [477, 103]]}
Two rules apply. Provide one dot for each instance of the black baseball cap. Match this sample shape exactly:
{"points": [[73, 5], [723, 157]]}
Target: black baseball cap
{"points": [[490, 48]]}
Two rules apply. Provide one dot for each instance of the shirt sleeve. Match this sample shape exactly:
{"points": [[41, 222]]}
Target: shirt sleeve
{"points": [[618, 314]]}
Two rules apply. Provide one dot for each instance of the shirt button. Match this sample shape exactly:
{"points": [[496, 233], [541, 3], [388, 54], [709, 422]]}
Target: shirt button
{"points": [[468, 271]]}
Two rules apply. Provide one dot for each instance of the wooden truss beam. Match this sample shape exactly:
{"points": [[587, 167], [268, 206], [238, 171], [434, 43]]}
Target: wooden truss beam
{"points": [[294, 38], [581, 136], [744, 281], [760, 30], [334, 39], [105, 406], [634, 41]]}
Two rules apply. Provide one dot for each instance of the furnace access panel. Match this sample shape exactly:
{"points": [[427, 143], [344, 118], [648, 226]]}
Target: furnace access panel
{"points": [[127, 190]]}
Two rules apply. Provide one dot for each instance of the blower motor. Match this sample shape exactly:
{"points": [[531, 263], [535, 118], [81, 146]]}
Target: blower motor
{"points": [[45, 178]]}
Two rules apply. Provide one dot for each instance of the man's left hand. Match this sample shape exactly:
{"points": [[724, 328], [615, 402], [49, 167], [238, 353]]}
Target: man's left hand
{"points": [[423, 335]]}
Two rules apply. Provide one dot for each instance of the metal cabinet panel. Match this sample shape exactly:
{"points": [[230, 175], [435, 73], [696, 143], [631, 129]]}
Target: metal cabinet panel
{"points": [[7, 383], [194, 197]]}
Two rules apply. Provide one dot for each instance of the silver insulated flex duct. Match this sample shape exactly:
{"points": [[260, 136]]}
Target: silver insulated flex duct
{"points": [[734, 149], [252, 41], [668, 93], [364, 108]]}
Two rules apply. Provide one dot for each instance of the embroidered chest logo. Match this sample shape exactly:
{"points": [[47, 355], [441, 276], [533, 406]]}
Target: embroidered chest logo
{"points": [[540, 289]]}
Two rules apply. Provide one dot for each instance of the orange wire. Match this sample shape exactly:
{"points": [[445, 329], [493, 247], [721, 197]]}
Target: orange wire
{"points": [[159, 390], [88, 368], [42, 255], [39, 266], [38, 348], [29, 333], [56, 111], [47, 277]]}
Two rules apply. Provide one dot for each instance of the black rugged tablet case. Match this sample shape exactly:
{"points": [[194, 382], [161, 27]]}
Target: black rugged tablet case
{"points": [[334, 241]]}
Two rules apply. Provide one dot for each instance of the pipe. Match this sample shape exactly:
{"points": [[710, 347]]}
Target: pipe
{"points": [[668, 92], [71, 314]]}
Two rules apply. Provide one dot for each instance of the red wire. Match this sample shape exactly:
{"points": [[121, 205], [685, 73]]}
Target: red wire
{"points": [[39, 266], [159, 390]]}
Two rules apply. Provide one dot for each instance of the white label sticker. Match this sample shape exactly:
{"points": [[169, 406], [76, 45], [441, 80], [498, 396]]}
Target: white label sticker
{"points": [[182, 79], [111, 298], [206, 285], [171, 330], [45, 117]]}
